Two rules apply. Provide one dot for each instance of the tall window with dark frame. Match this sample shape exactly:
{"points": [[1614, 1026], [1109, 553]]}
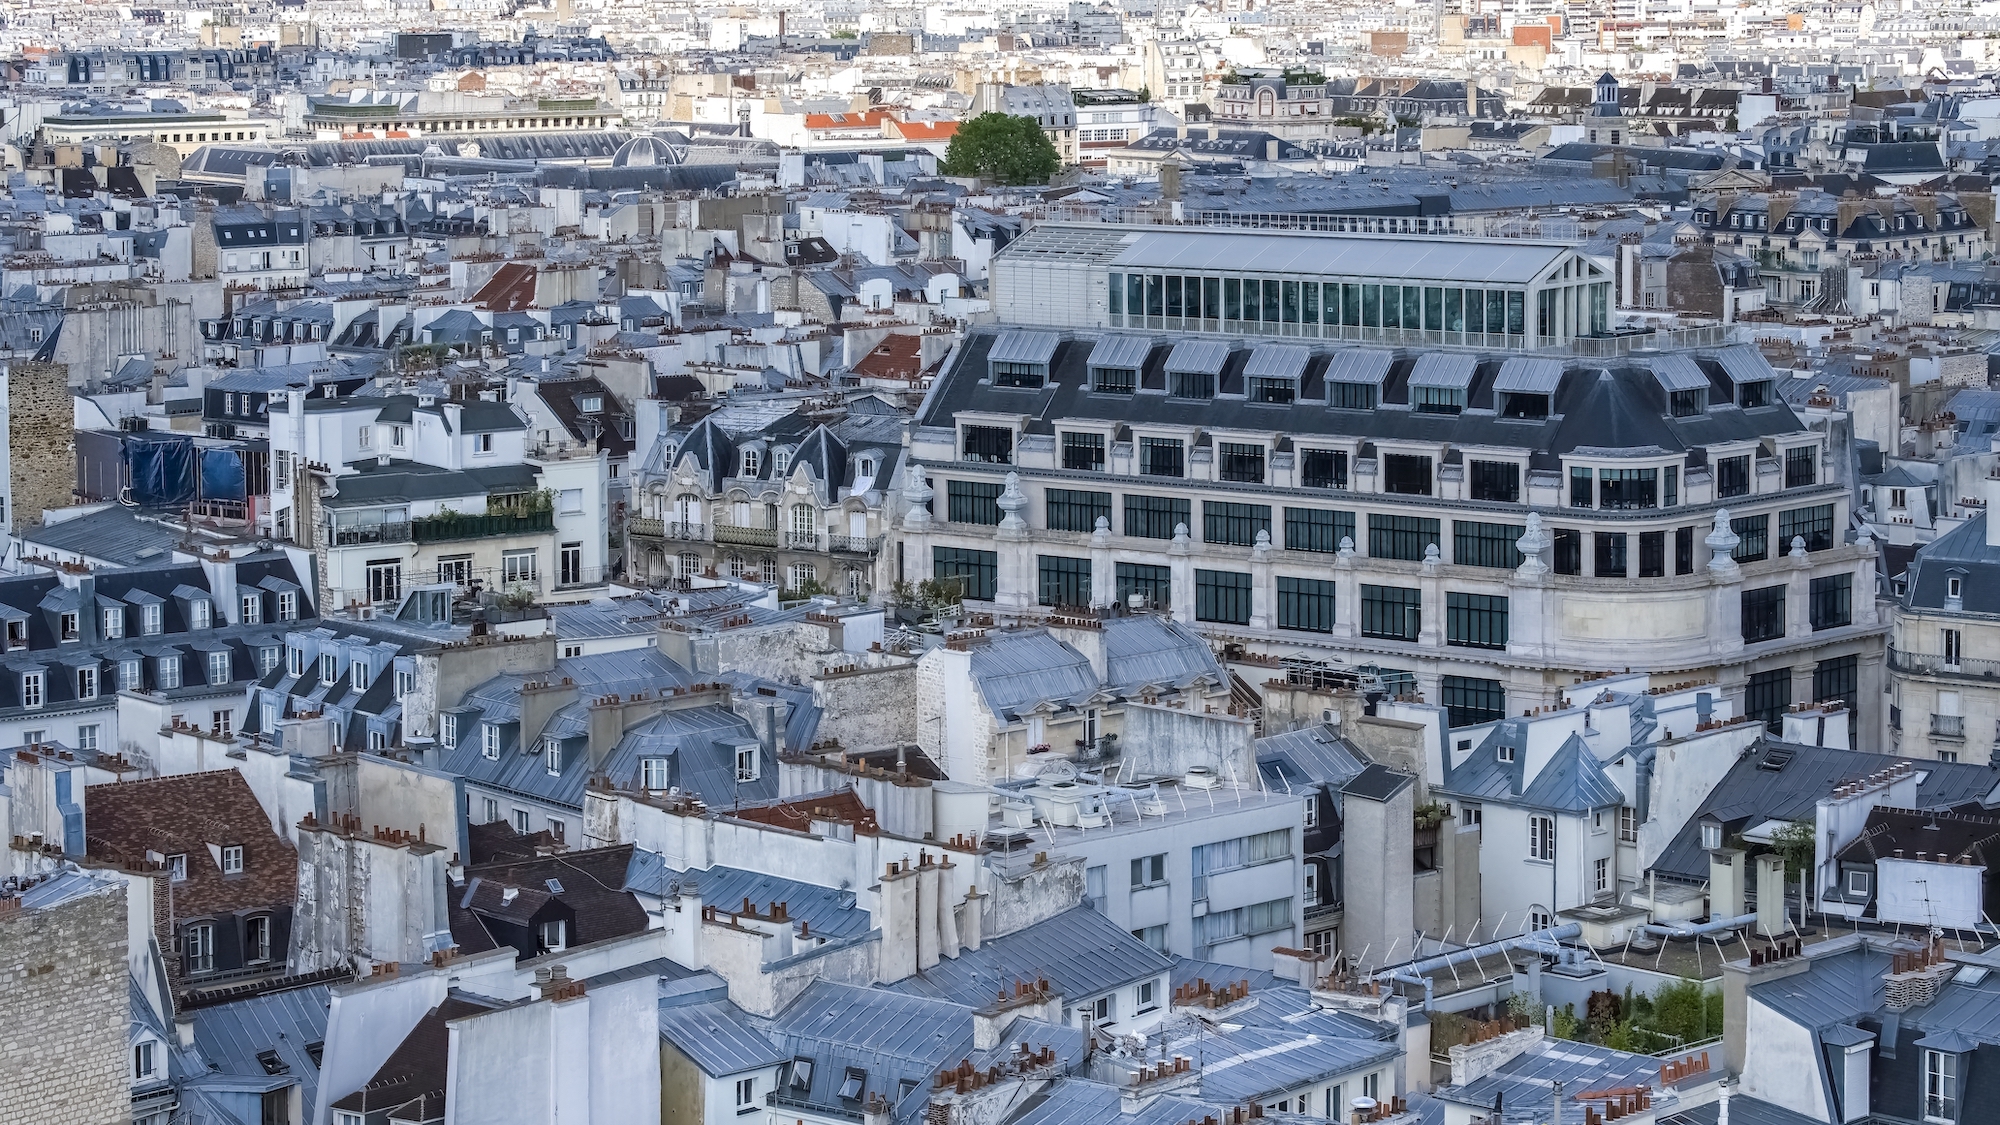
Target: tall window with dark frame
{"points": [[1469, 700], [1083, 452], [1687, 404], [1233, 524], [1323, 468], [1475, 620], [1801, 466], [1753, 538], [1400, 537], [1317, 529], [1063, 581], [1161, 457], [1837, 679], [977, 571], [992, 444], [1070, 510], [1155, 583], [1392, 613], [1611, 561], [1485, 544], [1814, 525], [1350, 396], [1732, 476], [1670, 489], [972, 501], [1269, 390], [1767, 695], [1684, 551], [1406, 474], [1628, 489], [1568, 552], [1155, 517], [1114, 380], [1763, 614], [1832, 601], [1191, 384], [1305, 604], [1241, 463], [1498, 481], [1652, 554], [1222, 596], [1582, 488]]}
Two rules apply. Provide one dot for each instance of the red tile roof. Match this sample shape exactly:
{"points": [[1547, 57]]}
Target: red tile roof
{"points": [[896, 357], [510, 289]]}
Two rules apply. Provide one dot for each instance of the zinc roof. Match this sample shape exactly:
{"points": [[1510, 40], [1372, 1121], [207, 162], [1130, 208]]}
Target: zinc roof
{"points": [[717, 1037], [1529, 375], [1198, 357], [1020, 346], [1121, 351], [1745, 364], [1276, 361], [1450, 370], [1359, 365]]}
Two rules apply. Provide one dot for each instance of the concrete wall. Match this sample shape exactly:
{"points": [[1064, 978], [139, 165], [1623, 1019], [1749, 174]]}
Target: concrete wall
{"points": [[65, 1011], [1166, 741], [1041, 892], [1380, 914], [365, 899]]}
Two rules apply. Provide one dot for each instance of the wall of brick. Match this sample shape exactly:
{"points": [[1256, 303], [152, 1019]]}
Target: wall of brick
{"points": [[41, 440], [64, 1013]]}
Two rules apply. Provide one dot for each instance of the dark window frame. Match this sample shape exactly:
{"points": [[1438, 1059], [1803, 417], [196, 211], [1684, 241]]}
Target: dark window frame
{"points": [[1495, 481], [1083, 451], [1067, 509], [1393, 613], [1475, 620], [973, 502], [1233, 524], [1476, 543], [1306, 604], [1831, 601], [1222, 597], [1239, 462], [1401, 537], [1471, 700], [1144, 515], [980, 570], [1406, 474], [1763, 614], [1062, 581]]}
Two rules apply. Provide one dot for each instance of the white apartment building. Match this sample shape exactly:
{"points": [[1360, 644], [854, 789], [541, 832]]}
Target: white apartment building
{"points": [[398, 491]]}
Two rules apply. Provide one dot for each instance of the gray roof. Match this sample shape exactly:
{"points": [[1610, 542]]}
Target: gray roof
{"points": [[1745, 364], [893, 1037], [1017, 670], [1460, 261], [1678, 371], [1524, 1081], [1020, 346], [230, 1036], [1571, 781], [1960, 553], [1776, 780], [1359, 365], [1198, 357], [1150, 649], [1450, 370], [1081, 952], [1277, 361], [116, 535], [827, 911], [1529, 375], [1121, 351], [717, 1036]]}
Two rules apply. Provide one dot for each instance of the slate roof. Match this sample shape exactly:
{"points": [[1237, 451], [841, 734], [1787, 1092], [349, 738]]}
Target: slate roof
{"points": [[1599, 404], [1750, 794], [826, 910], [1571, 781], [1959, 553], [893, 1037], [1307, 756], [115, 536], [1081, 952], [417, 1067], [1524, 1082], [717, 1036], [1017, 669]]}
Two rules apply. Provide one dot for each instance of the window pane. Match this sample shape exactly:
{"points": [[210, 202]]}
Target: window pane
{"points": [[1222, 596], [1400, 537], [1305, 603], [1064, 581], [1391, 612], [1155, 517]]}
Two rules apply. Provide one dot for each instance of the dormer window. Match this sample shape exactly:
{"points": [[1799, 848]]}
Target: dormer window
{"points": [[218, 667], [232, 860], [252, 609], [200, 613], [1439, 382], [1690, 403], [357, 675], [329, 667], [1711, 835], [1273, 372], [32, 693], [653, 774], [168, 674], [149, 619], [1021, 359], [1114, 380], [552, 756], [69, 624], [114, 623], [752, 460], [781, 461], [590, 404], [1751, 395], [489, 741], [1505, 753], [746, 763]]}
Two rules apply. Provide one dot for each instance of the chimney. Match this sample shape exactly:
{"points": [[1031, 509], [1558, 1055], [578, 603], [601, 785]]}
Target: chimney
{"points": [[1170, 181], [1771, 916], [1993, 509], [927, 912], [1725, 883], [897, 917], [1271, 150]]}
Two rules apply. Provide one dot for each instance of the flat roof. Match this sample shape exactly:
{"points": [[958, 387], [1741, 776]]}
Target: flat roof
{"points": [[1461, 261]]}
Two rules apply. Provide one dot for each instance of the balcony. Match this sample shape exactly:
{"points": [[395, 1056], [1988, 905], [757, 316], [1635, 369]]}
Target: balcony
{"points": [[1948, 726], [445, 529], [646, 527], [854, 544], [1940, 664], [746, 536], [802, 540], [357, 534]]}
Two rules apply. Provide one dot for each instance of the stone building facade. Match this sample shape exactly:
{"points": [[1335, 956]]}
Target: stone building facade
{"points": [[65, 1003]]}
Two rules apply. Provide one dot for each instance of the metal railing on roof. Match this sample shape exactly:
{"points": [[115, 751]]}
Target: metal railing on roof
{"points": [[1529, 226]]}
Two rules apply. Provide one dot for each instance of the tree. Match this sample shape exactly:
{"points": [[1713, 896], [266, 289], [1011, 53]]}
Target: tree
{"points": [[1002, 148]]}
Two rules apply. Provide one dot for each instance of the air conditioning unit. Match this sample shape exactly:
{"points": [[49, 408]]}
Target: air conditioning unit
{"points": [[366, 613], [1330, 717], [1201, 777]]}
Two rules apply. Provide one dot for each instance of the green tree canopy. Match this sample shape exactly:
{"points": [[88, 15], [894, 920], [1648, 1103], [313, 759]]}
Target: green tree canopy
{"points": [[1003, 148]]}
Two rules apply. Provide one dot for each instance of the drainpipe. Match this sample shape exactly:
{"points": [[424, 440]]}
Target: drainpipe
{"points": [[1703, 930], [1547, 942]]}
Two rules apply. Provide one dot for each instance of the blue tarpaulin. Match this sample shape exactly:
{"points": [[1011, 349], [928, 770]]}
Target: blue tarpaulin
{"points": [[163, 470], [221, 474]]}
